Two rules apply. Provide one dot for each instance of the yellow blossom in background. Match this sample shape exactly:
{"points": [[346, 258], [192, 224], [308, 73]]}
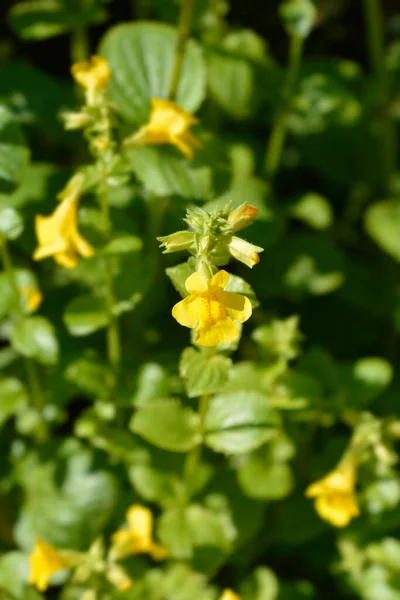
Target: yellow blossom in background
{"points": [[58, 234], [93, 74], [229, 595], [212, 309], [32, 297], [137, 537], [168, 124], [242, 216], [44, 561], [335, 499]]}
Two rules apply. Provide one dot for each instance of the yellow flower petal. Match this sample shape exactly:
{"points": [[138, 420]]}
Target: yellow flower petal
{"points": [[337, 510], [32, 296], [68, 259], [221, 332], [140, 521], [341, 480], [93, 73], [238, 307], [220, 280], [196, 284], [82, 246], [43, 562], [186, 312]]}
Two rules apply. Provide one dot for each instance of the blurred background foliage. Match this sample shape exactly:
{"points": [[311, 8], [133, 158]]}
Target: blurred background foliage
{"points": [[327, 285]]}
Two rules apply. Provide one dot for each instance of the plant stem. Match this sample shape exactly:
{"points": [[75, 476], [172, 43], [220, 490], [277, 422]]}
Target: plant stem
{"points": [[374, 23], [30, 367], [279, 129], [113, 336], [184, 29], [193, 458], [79, 45]]}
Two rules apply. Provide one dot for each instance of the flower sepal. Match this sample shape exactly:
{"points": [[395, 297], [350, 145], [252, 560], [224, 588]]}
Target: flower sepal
{"points": [[178, 241]]}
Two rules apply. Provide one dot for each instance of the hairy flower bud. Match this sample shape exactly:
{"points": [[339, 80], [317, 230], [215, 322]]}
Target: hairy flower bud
{"points": [[242, 216], [181, 240], [244, 251], [75, 120]]}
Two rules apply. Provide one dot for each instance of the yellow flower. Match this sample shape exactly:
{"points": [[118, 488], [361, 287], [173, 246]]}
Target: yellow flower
{"points": [[168, 124], [242, 216], [43, 562], [58, 234], [335, 499], [214, 310], [244, 251], [137, 537], [32, 297], [229, 595], [93, 75]]}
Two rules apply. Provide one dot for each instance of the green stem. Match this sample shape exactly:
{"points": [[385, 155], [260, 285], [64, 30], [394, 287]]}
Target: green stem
{"points": [[79, 45], [279, 129], [30, 368], [374, 23], [184, 29], [113, 336], [193, 458]]}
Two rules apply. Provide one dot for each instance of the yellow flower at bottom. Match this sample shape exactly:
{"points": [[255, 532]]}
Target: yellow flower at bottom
{"points": [[58, 234], [169, 124], [214, 310], [137, 537], [44, 561], [335, 499], [229, 595]]}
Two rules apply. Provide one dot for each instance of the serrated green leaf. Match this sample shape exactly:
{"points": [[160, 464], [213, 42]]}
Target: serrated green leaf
{"points": [[35, 337], [141, 57], [168, 425], [238, 422], [203, 374]]}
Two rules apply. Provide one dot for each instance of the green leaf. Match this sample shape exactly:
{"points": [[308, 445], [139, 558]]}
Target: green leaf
{"points": [[14, 155], [203, 374], [84, 315], [90, 375], [11, 223], [262, 585], [35, 337], [13, 397], [239, 422], [42, 19], [174, 533], [314, 210], [167, 424], [238, 285], [298, 17], [67, 501], [14, 575], [263, 480], [123, 244], [382, 222], [141, 56], [178, 276], [235, 74]]}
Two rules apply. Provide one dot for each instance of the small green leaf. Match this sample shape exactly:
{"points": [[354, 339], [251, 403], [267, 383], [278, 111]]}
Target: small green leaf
{"points": [[203, 374], [237, 285], [35, 337], [298, 17], [11, 223], [262, 585], [167, 424], [141, 56], [178, 276], [123, 244], [263, 480], [14, 155], [84, 315], [238, 422], [314, 210], [13, 397], [382, 222]]}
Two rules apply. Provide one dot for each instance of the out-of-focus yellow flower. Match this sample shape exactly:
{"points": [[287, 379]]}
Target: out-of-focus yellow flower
{"points": [[58, 234], [242, 216], [44, 561], [229, 595], [214, 310], [335, 499], [32, 297], [118, 577], [94, 75], [169, 124], [137, 537]]}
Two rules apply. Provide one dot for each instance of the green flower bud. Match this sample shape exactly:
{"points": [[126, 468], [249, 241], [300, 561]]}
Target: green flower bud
{"points": [[181, 240], [242, 216], [244, 251], [75, 120], [298, 17]]}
